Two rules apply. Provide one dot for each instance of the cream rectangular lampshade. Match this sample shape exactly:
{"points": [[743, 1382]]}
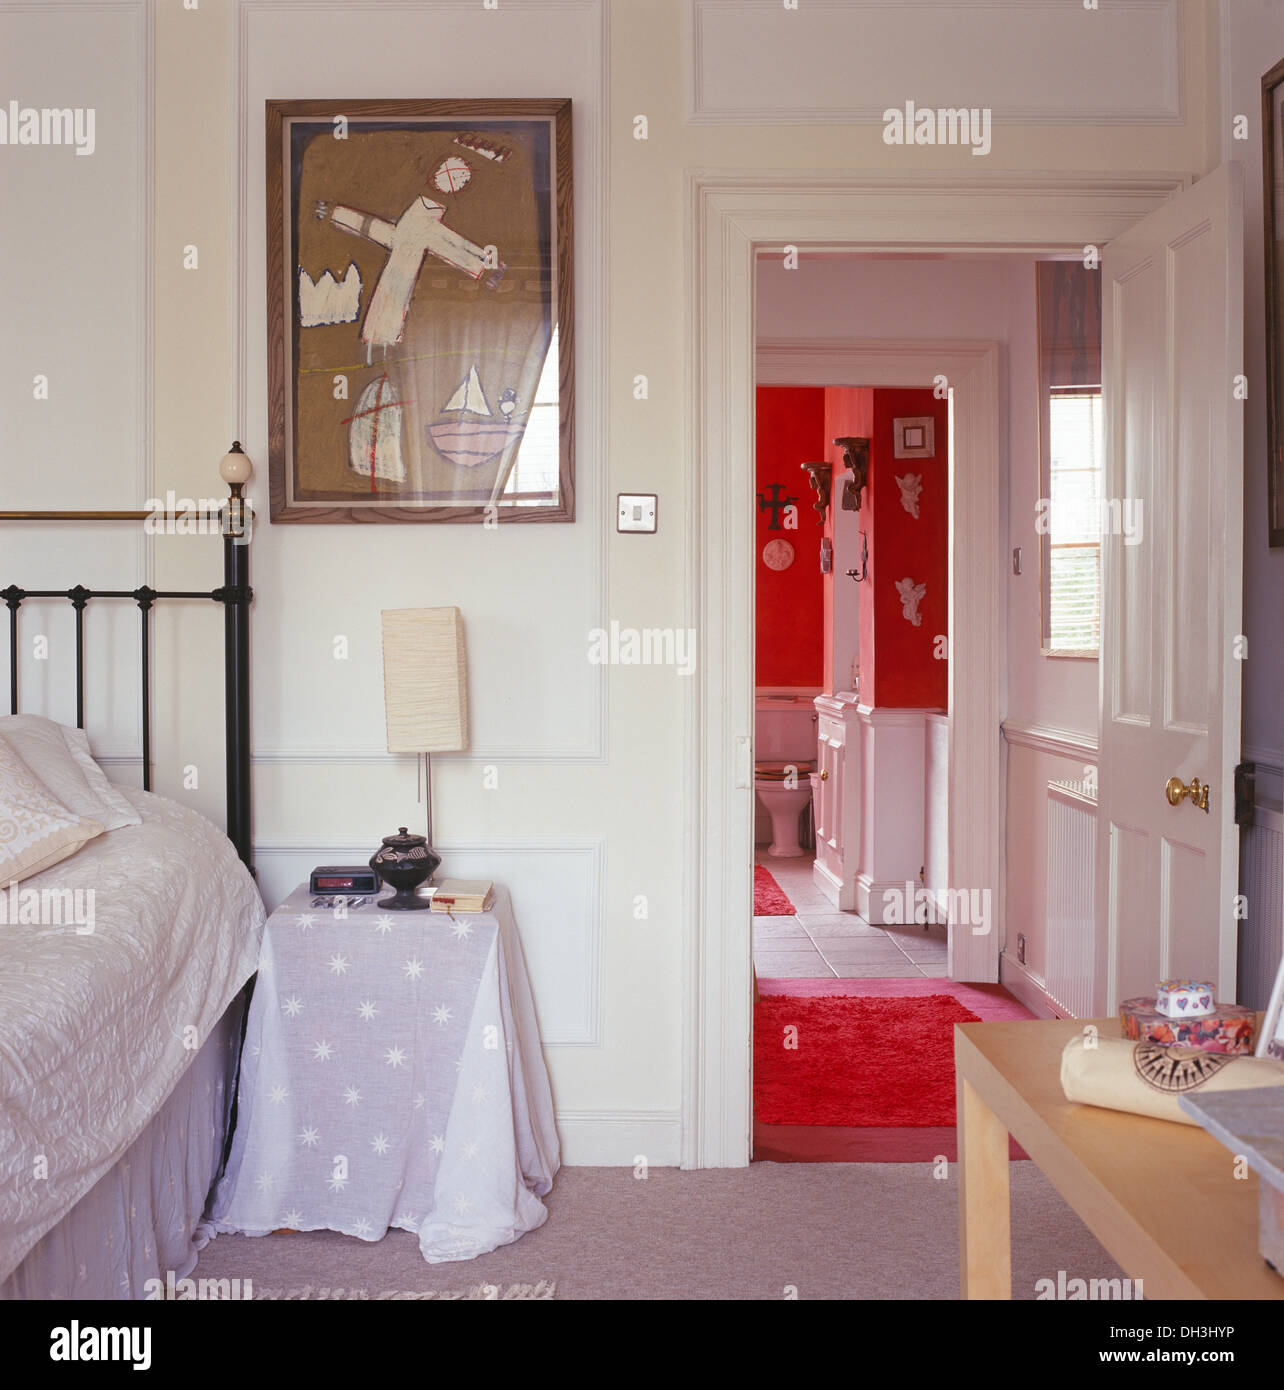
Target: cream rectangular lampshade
{"points": [[425, 680]]}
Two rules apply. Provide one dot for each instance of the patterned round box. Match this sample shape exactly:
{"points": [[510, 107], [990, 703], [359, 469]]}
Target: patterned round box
{"points": [[1229, 1028]]}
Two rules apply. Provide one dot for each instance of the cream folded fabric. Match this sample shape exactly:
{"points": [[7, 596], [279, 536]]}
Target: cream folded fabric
{"points": [[1146, 1079], [36, 829], [60, 758]]}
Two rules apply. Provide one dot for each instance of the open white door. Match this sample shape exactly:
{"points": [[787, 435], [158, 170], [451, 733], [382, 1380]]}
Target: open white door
{"points": [[1172, 340]]}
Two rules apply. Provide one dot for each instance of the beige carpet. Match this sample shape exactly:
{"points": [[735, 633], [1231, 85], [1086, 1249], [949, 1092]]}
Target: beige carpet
{"points": [[831, 1231]]}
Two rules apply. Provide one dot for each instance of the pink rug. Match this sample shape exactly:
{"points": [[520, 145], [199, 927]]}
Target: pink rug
{"points": [[769, 898]]}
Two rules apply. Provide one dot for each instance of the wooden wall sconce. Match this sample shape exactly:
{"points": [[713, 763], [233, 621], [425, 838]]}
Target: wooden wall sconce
{"points": [[821, 475], [856, 458]]}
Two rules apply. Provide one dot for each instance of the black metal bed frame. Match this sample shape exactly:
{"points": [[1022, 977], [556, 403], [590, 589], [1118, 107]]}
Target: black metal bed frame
{"points": [[234, 594]]}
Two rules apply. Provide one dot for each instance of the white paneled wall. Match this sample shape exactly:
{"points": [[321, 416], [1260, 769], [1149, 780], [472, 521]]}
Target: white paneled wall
{"points": [[76, 348], [556, 888], [827, 60], [936, 810], [1072, 838], [529, 595]]}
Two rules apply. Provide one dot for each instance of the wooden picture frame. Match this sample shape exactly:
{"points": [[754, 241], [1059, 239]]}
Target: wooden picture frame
{"points": [[420, 298], [914, 437], [1273, 229]]}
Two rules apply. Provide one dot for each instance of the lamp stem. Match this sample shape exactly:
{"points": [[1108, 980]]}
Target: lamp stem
{"points": [[428, 795]]}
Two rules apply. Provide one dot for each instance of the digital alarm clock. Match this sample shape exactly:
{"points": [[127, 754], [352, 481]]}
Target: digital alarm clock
{"points": [[342, 878]]}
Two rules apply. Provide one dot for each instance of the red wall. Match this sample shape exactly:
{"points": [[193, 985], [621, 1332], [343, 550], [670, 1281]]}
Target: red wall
{"points": [[899, 667], [791, 624]]}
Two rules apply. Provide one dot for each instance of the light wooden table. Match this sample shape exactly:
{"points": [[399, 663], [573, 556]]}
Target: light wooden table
{"points": [[1161, 1197]]}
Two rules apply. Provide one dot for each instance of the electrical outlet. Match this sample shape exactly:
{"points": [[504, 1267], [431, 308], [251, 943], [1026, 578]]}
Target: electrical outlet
{"points": [[1021, 947]]}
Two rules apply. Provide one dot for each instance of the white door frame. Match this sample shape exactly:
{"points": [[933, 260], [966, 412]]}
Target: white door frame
{"points": [[731, 215]]}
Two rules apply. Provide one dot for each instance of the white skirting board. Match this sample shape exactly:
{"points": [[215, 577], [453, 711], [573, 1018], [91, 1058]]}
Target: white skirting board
{"points": [[1015, 978], [620, 1138]]}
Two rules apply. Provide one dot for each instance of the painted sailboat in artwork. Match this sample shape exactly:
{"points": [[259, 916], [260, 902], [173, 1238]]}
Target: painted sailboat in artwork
{"points": [[374, 435], [469, 442]]}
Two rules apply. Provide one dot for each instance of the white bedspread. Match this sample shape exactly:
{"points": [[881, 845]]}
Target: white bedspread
{"points": [[97, 1028]]}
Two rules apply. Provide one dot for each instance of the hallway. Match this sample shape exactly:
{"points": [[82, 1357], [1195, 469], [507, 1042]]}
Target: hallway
{"points": [[820, 942]]}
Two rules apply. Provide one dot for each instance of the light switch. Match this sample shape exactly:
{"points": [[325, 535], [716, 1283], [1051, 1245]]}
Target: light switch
{"points": [[636, 511]]}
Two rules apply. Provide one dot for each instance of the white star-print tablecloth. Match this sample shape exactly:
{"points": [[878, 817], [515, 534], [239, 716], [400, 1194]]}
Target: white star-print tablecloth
{"points": [[391, 1077]]}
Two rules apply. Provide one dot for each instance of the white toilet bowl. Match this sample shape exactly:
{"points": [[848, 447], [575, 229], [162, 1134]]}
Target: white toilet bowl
{"points": [[784, 803]]}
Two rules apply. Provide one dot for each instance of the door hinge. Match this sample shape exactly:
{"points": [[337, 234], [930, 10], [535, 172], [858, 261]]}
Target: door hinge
{"points": [[1245, 784]]}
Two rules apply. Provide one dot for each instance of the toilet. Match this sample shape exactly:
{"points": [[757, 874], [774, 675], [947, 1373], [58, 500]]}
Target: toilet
{"points": [[785, 756]]}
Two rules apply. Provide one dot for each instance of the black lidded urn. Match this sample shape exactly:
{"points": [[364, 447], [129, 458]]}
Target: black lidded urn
{"points": [[403, 862]]}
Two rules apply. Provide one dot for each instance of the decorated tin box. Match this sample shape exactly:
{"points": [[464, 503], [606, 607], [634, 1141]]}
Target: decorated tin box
{"points": [[1227, 1028], [1183, 998]]}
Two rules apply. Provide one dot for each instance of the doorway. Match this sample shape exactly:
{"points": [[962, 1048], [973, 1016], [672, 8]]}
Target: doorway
{"points": [[733, 216], [849, 927]]}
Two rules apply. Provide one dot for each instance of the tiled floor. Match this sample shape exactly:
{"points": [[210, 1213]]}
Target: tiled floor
{"points": [[821, 943]]}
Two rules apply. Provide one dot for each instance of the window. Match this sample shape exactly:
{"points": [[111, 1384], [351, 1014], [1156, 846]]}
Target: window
{"points": [[1075, 446], [1072, 457], [533, 480]]}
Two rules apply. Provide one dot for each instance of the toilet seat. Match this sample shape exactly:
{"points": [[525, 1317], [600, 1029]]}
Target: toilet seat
{"points": [[777, 772]]}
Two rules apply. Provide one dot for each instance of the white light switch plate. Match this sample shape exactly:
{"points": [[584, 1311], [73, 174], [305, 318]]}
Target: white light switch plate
{"points": [[636, 511]]}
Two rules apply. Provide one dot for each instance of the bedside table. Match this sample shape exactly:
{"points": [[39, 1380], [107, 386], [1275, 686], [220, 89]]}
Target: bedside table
{"points": [[391, 1077]]}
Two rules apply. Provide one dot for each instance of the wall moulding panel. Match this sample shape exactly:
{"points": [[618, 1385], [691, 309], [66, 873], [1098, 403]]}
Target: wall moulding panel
{"points": [[535, 695], [95, 54], [1044, 738], [754, 62], [558, 890], [87, 329]]}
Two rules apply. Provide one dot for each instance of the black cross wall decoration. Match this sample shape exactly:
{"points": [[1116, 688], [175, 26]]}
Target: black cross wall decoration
{"points": [[777, 502]]}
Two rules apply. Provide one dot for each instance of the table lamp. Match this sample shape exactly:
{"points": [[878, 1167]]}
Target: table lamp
{"points": [[425, 686]]}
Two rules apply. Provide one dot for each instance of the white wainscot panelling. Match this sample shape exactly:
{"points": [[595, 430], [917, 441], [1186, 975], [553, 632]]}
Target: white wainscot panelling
{"points": [[556, 887], [758, 62], [530, 595], [1072, 849], [77, 311], [77, 262]]}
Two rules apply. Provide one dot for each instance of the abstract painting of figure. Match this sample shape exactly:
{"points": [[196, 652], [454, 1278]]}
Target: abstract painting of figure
{"points": [[419, 287]]}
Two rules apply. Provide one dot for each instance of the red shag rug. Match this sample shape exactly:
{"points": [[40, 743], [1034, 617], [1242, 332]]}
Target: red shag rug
{"points": [[768, 896], [858, 1060]]}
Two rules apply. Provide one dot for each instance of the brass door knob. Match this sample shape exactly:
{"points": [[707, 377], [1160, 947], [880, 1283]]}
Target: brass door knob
{"points": [[824, 773], [1177, 791]]}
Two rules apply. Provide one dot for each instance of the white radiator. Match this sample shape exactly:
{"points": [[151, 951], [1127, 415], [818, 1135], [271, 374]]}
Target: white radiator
{"points": [[1072, 853], [1261, 880]]}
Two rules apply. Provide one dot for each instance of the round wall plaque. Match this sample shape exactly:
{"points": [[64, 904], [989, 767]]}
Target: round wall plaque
{"points": [[777, 555]]}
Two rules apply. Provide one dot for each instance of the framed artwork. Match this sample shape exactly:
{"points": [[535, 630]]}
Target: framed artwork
{"points": [[420, 311], [1273, 217], [914, 437]]}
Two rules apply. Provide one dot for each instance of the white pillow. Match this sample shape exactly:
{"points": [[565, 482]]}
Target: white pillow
{"points": [[36, 830], [61, 759]]}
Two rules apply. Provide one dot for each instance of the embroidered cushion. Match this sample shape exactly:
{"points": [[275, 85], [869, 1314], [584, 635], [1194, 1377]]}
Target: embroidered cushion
{"points": [[36, 829], [60, 758]]}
